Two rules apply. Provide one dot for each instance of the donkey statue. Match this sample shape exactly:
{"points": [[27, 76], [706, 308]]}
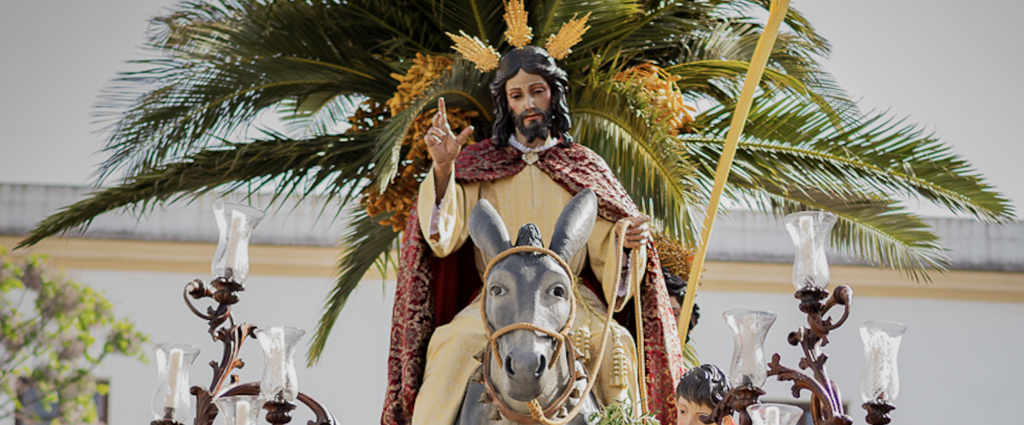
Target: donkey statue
{"points": [[528, 305]]}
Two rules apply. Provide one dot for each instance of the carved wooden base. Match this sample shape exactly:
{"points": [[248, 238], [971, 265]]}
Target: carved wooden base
{"points": [[172, 422], [279, 412], [878, 412]]}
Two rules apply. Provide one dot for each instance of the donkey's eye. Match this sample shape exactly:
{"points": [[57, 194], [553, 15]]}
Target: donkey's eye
{"points": [[558, 291], [497, 290]]}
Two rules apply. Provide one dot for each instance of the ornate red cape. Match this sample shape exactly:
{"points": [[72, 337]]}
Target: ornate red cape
{"points": [[431, 290]]}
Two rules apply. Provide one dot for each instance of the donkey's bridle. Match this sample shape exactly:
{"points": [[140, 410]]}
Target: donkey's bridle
{"points": [[539, 415], [560, 337]]}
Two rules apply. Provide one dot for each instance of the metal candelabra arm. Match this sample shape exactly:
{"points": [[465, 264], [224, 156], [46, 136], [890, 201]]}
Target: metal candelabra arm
{"points": [[737, 399], [323, 416], [225, 293], [826, 401]]}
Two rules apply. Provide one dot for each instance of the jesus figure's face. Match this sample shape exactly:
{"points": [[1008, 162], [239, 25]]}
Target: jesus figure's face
{"points": [[529, 96]]}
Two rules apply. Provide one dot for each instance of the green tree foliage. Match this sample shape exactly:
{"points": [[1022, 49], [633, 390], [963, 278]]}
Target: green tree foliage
{"points": [[221, 64], [55, 331]]}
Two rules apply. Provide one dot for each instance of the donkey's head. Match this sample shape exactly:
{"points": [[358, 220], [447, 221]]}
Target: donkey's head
{"points": [[530, 287]]}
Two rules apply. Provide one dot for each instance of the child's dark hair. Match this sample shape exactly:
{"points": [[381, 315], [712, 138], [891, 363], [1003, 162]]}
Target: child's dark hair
{"points": [[705, 384]]}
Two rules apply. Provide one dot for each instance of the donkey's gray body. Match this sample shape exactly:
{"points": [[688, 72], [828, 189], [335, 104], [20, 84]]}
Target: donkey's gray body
{"points": [[529, 288]]}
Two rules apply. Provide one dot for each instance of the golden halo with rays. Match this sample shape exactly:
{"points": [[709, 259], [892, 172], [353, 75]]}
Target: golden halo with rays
{"points": [[519, 34]]}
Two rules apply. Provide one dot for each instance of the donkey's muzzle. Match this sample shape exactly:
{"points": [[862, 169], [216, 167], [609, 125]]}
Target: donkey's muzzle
{"points": [[532, 364], [524, 368]]}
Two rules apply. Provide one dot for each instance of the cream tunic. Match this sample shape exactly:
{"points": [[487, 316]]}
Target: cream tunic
{"points": [[527, 197]]}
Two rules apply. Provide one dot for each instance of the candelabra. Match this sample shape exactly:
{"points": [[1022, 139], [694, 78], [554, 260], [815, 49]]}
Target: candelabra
{"points": [[239, 403], [748, 371]]}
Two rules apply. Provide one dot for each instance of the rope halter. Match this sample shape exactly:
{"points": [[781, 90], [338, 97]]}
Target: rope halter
{"points": [[560, 337]]}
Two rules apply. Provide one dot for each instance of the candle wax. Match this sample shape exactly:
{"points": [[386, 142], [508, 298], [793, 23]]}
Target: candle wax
{"points": [[241, 412], [772, 415], [234, 239], [174, 369]]}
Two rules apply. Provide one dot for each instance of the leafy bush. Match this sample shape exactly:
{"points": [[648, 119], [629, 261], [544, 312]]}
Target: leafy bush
{"points": [[53, 333]]}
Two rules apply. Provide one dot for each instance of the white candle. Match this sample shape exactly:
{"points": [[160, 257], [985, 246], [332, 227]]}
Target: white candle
{"points": [[174, 369], [234, 236], [807, 254], [241, 412], [771, 415], [277, 358]]}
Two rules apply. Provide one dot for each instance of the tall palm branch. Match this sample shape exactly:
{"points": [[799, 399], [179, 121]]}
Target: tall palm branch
{"points": [[175, 125]]}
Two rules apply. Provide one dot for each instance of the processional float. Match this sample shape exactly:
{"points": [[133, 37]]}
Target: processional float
{"points": [[277, 392]]}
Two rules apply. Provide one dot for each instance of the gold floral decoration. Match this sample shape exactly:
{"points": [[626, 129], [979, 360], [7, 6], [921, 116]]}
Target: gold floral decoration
{"points": [[559, 45], [666, 99], [675, 258], [399, 196], [476, 51], [518, 33], [424, 71]]}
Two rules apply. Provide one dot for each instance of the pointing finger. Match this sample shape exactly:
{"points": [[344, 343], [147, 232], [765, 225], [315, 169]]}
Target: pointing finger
{"points": [[443, 112]]}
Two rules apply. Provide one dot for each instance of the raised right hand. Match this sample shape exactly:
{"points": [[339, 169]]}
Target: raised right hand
{"points": [[442, 144]]}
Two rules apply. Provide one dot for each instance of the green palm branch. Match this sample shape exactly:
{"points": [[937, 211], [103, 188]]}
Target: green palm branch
{"points": [[220, 65]]}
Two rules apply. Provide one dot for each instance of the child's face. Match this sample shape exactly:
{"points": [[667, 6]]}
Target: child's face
{"points": [[688, 413]]}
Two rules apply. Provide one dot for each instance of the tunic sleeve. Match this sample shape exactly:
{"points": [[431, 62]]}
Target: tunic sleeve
{"points": [[450, 230], [618, 284]]}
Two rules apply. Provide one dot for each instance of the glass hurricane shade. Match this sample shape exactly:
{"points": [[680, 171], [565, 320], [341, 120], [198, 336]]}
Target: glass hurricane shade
{"points": [[171, 399], [810, 230], [235, 222], [774, 414], [240, 409], [279, 346], [880, 378], [749, 328]]}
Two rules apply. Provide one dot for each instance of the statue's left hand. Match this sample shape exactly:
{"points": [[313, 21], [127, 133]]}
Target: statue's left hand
{"points": [[638, 232]]}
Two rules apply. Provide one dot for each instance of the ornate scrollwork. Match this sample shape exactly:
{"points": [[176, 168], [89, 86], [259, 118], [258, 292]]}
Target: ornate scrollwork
{"points": [[232, 336], [735, 400], [826, 401], [322, 415]]}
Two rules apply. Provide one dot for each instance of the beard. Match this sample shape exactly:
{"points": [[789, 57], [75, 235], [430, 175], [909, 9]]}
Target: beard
{"points": [[537, 129]]}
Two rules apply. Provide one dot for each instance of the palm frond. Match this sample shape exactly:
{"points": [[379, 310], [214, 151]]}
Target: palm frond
{"points": [[363, 243], [302, 166], [318, 114], [222, 67], [654, 173], [727, 44], [703, 77], [787, 142], [607, 22], [798, 23], [480, 18], [464, 87]]}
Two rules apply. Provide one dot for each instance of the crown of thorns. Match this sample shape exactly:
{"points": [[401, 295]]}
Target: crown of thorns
{"points": [[519, 34]]}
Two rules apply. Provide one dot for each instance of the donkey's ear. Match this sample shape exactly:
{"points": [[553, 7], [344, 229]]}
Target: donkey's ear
{"points": [[574, 225], [488, 229]]}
